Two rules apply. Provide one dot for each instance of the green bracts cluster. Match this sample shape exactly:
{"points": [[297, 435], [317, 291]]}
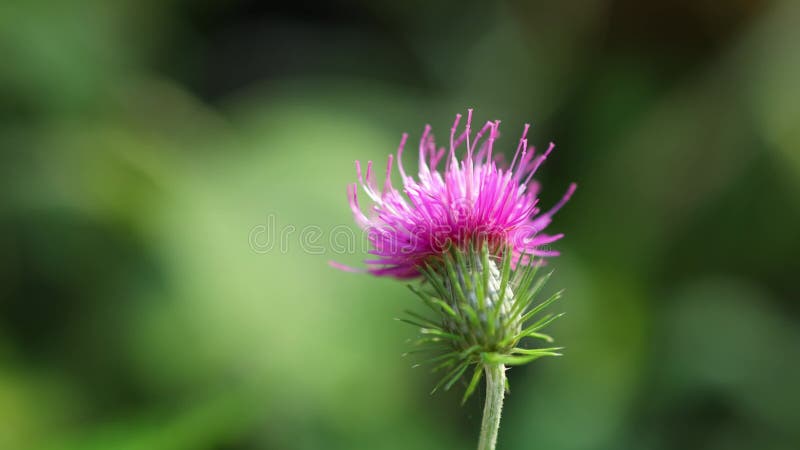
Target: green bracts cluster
{"points": [[483, 313]]}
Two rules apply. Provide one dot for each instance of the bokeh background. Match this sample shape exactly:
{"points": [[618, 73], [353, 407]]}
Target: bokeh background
{"points": [[148, 147]]}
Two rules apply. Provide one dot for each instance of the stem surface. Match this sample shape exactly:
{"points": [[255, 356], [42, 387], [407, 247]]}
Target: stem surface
{"points": [[495, 389]]}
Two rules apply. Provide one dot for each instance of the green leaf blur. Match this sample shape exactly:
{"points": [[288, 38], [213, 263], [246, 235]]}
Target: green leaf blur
{"points": [[172, 186]]}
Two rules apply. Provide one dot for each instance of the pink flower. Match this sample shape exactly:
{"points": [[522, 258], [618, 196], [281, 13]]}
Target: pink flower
{"points": [[472, 201]]}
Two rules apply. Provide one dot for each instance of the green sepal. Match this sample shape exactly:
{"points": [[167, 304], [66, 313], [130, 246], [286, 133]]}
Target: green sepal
{"points": [[481, 313]]}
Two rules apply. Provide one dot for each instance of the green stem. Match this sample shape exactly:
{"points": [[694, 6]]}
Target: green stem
{"points": [[495, 389]]}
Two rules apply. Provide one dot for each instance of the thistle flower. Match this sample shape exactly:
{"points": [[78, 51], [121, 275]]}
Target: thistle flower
{"points": [[473, 233], [473, 200]]}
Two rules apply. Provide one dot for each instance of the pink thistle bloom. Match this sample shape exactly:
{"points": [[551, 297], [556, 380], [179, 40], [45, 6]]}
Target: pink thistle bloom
{"points": [[473, 200]]}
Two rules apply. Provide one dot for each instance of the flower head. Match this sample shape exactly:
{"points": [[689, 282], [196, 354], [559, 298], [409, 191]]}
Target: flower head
{"points": [[474, 232], [473, 200]]}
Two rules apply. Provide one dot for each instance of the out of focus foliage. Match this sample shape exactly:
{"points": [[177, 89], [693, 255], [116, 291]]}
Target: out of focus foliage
{"points": [[162, 163]]}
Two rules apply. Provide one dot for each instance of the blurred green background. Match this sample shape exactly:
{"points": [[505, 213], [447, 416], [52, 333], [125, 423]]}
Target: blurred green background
{"points": [[145, 146]]}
